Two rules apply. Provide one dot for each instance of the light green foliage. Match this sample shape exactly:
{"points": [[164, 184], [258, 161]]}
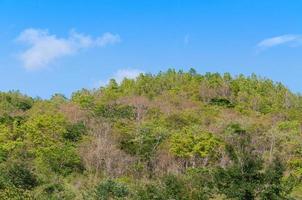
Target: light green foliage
{"points": [[296, 165], [290, 127], [58, 99], [172, 135], [194, 142], [60, 159], [112, 91], [84, 98], [44, 130], [12, 193]]}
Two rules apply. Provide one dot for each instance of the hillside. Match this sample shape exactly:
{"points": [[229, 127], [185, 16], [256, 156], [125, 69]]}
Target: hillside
{"points": [[172, 135]]}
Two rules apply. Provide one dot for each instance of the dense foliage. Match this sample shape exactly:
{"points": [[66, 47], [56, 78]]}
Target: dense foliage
{"points": [[174, 135]]}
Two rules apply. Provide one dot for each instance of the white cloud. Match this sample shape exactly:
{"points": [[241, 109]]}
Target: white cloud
{"points": [[126, 73], [108, 38], [290, 39], [45, 48], [120, 75]]}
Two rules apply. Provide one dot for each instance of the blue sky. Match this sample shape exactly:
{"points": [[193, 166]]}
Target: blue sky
{"points": [[54, 46]]}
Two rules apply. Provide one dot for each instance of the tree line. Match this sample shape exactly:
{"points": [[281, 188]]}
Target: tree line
{"points": [[172, 135]]}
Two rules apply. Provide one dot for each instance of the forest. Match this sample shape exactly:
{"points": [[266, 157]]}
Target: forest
{"points": [[174, 135]]}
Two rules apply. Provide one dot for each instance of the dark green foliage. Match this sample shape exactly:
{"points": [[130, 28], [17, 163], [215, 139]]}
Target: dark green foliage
{"points": [[174, 188], [110, 189], [221, 102], [62, 160], [75, 132], [169, 187], [4, 180], [116, 111], [247, 178], [21, 176], [174, 135], [235, 128], [10, 120], [275, 187], [243, 179], [240, 182], [13, 101], [150, 192], [201, 182], [53, 188], [3, 155]]}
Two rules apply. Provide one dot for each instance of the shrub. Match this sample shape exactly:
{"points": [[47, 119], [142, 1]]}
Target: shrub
{"points": [[74, 132], [174, 187], [60, 159], [150, 192], [221, 102], [116, 111], [21, 176], [110, 189]]}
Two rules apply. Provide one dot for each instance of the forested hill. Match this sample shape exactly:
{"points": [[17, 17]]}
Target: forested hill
{"points": [[174, 135]]}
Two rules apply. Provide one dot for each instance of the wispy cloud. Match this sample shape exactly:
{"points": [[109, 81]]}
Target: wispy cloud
{"points": [[126, 73], [44, 48], [107, 39], [120, 75], [289, 39]]}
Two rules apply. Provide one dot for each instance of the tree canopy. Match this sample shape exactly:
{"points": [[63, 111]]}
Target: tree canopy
{"points": [[172, 135]]}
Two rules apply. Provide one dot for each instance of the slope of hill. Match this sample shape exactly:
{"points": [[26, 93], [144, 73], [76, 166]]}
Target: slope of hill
{"points": [[173, 135]]}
